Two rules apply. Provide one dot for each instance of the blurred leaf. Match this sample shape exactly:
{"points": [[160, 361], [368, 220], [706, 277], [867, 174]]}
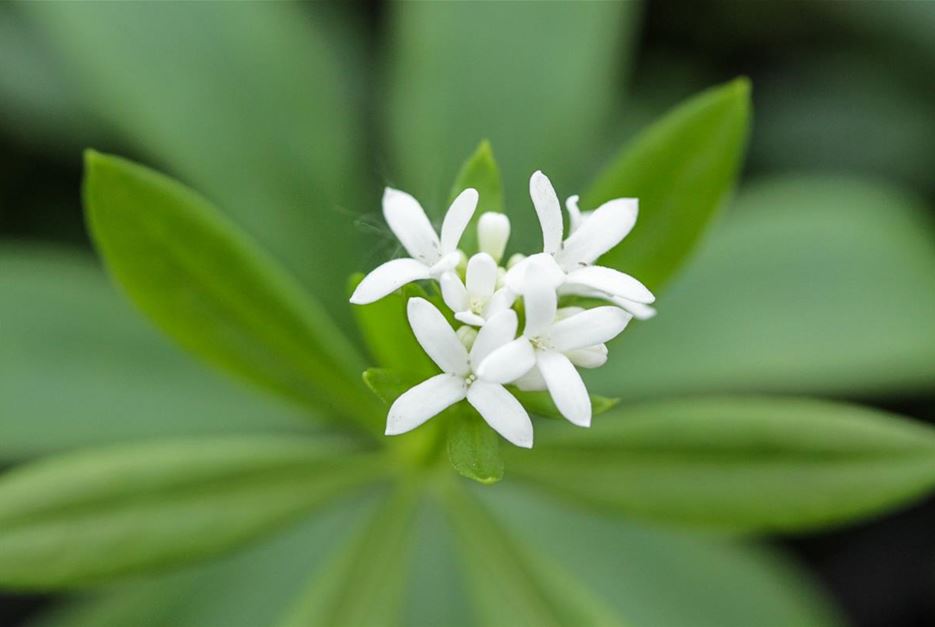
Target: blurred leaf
{"points": [[681, 168], [385, 329], [473, 447], [436, 594], [482, 173], [252, 587], [658, 577], [247, 102], [541, 404], [204, 283], [511, 584], [364, 583], [846, 113], [79, 367], [755, 464], [820, 285], [98, 514], [516, 74], [37, 97]]}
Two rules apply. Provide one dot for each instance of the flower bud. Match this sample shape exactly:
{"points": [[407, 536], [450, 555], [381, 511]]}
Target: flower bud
{"points": [[493, 231], [467, 335]]}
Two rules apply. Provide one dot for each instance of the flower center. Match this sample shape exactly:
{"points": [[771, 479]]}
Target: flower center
{"points": [[471, 378], [476, 305]]}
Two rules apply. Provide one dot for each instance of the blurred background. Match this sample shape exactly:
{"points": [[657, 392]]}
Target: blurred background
{"points": [[844, 126]]}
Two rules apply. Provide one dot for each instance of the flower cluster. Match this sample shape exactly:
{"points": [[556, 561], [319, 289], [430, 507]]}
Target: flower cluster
{"points": [[485, 353]]}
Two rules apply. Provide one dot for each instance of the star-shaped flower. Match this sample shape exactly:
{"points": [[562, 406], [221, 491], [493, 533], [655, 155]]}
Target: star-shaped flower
{"points": [[557, 343], [480, 299], [430, 256], [460, 376], [568, 264]]}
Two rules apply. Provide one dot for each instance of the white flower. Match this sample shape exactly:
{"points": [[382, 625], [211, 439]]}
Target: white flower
{"points": [[481, 299], [558, 343], [460, 378], [430, 257], [568, 264]]}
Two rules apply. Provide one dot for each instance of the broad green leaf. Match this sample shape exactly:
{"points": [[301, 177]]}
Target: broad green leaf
{"points": [[247, 102], [482, 173], [682, 168], [541, 404], [473, 447], [386, 332], [204, 283], [79, 367], [750, 464], [514, 73], [364, 582], [656, 577], [91, 516], [511, 584], [252, 587], [811, 284]]}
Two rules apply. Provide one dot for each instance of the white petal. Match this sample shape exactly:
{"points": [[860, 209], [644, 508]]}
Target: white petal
{"points": [[481, 276], [493, 232], [567, 312], [437, 337], [565, 387], [501, 300], [508, 363], [592, 326], [588, 357], [605, 228], [547, 271], [638, 310], [418, 404], [446, 264], [532, 381], [548, 209], [468, 317], [613, 282], [457, 218], [498, 330], [412, 228], [502, 412], [387, 278], [541, 302], [453, 292], [574, 213]]}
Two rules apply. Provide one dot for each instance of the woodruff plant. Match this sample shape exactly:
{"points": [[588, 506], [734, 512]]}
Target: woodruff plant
{"points": [[752, 464]]}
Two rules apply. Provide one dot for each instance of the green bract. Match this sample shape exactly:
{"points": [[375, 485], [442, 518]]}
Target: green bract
{"points": [[399, 537]]}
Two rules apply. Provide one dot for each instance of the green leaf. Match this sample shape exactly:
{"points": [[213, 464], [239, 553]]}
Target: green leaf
{"points": [[682, 168], [755, 464], [252, 587], [481, 172], [511, 584], [95, 515], [204, 283], [460, 73], [364, 583], [655, 576], [473, 447], [541, 404], [812, 284], [384, 326], [65, 329], [248, 103]]}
